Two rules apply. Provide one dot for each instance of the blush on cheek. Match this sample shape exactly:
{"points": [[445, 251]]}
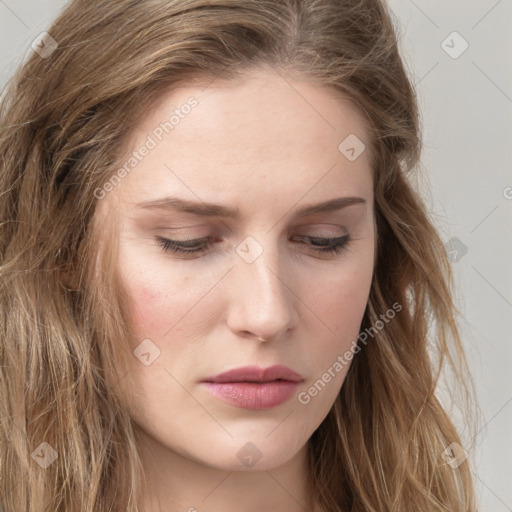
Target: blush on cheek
{"points": [[153, 315], [144, 303], [138, 316]]}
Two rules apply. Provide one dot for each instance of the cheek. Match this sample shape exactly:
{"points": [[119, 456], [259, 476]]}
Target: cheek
{"points": [[159, 300], [144, 309], [339, 304], [150, 307], [341, 300]]}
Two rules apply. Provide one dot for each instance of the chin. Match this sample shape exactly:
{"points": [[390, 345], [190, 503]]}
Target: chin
{"points": [[250, 453]]}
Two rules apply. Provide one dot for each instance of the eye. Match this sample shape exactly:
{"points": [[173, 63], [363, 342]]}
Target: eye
{"points": [[328, 245], [199, 245], [184, 247]]}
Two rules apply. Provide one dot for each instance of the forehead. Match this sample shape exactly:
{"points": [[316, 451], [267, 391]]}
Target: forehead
{"points": [[265, 134]]}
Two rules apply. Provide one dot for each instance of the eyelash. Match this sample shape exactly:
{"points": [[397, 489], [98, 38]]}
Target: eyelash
{"points": [[337, 245]]}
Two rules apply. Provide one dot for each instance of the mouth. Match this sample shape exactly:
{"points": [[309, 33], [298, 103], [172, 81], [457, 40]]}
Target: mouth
{"points": [[254, 388]]}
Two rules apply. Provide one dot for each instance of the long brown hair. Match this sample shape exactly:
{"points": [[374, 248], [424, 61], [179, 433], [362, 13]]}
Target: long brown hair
{"points": [[65, 119]]}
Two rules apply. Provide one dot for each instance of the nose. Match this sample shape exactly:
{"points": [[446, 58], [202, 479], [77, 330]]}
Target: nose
{"points": [[262, 300]]}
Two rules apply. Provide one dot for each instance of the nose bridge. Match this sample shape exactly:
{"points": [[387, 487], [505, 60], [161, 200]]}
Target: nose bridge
{"points": [[262, 302]]}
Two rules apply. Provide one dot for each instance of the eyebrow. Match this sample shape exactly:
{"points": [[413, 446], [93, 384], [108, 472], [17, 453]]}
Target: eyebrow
{"points": [[216, 210]]}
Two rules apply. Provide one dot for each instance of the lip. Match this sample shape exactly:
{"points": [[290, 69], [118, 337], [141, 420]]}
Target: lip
{"points": [[254, 388], [256, 374]]}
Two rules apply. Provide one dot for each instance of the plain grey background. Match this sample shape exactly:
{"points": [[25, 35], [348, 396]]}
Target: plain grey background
{"points": [[459, 55]]}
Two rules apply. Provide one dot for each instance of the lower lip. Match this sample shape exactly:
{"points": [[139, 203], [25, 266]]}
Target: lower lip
{"points": [[252, 395]]}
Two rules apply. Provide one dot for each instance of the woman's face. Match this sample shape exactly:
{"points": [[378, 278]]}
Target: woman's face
{"points": [[249, 180]]}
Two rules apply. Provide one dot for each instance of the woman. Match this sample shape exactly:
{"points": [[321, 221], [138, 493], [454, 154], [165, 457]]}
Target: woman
{"points": [[219, 288]]}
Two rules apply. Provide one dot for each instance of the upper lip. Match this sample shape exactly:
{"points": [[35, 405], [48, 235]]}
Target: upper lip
{"points": [[256, 374]]}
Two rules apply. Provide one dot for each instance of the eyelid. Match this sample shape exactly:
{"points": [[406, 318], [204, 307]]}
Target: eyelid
{"points": [[322, 230], [183, 234], [303, 225]]}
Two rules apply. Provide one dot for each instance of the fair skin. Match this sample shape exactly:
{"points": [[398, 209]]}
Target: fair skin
{"points": [[268, 149]]}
